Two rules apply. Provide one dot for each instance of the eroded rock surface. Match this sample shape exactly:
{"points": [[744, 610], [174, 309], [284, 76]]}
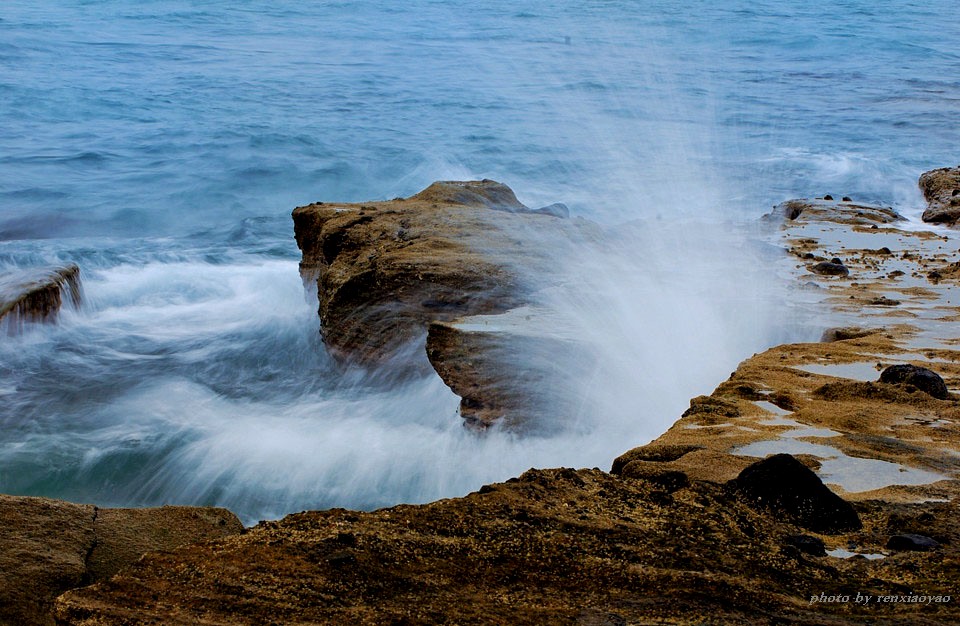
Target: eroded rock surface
{"points": [[550, 547], [50, 546]]}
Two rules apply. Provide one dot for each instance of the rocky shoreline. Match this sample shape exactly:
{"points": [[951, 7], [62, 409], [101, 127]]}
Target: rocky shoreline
{"points": [[725, 518]]}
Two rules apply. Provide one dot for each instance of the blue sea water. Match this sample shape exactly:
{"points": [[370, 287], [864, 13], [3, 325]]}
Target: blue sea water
{"points": [[162, 144]]}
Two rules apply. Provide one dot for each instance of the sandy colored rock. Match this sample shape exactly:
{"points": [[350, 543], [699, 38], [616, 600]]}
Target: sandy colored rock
{"points": [[385, 270], [941, 188], [50, 546]]}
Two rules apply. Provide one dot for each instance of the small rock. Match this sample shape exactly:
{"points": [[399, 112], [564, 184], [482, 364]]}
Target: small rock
{"points": [[783, 485], [923, 379], [911, 542], [830, 268], [828, 197], [846, 199], [840, 334], [806, 544], [884, 301]]}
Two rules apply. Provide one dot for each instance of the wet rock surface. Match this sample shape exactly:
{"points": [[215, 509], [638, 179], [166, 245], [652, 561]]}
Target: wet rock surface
{"points": [[50, 546], [37, 295]]}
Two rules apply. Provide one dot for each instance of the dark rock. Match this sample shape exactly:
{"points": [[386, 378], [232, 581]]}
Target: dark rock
{"points": [[939, 187], [828, 197], [783, 485], [884, 301], [830, 268], [846, 199], [806, 544], [910, 542], [920, 377]]}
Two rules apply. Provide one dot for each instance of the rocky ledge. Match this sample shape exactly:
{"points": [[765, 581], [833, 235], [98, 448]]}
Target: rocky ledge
{"points": [[724, 519], [49, 546]]}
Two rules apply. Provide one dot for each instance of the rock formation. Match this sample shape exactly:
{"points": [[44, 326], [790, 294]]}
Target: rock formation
{"points": [[50, 546], [941, 188], [37, 295], [446, 262]]}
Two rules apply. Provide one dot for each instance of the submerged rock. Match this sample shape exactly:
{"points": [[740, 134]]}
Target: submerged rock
{"points": [[50, 546], [922, 378], [941, 188], [37, 295], [783, 484]]}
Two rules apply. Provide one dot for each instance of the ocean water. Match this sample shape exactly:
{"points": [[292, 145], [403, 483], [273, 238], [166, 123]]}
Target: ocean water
{"points": [[161, 145]]}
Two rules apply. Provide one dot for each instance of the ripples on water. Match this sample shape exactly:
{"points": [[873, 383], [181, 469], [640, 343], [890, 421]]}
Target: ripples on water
{"points": [[162, 145]]}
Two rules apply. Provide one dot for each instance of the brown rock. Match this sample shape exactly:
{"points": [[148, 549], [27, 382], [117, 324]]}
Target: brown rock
{"points": [[385, 270], [941, 188], [36, 295], [50, 546], [549, 547]]}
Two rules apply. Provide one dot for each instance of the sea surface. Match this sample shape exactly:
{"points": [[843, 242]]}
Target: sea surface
{"points": [[162, 144]]}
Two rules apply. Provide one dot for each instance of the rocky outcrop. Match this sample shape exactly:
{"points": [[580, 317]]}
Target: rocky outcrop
{"points": [[941, 188], [50, 546], [549, 547], [446, 262], [385, 270], [37, 295]]}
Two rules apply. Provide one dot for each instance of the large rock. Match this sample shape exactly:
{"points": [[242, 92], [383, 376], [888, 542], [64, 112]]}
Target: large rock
{"points": [[457, 266], [385, 270], [782, 484], [50, 546], [922, 378], [941, 188], [829, 210], [37, 295]]}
